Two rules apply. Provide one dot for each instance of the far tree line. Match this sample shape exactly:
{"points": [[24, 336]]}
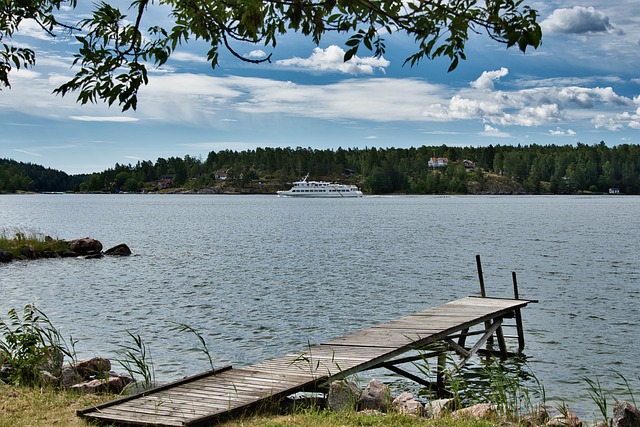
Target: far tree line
{"points": [[534, 169]]}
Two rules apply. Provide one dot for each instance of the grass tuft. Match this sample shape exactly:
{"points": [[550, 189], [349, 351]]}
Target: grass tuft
{"points": [[16, 242]]}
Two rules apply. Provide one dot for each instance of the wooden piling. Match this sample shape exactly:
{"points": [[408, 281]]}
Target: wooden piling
{"points": [[518, 315]]}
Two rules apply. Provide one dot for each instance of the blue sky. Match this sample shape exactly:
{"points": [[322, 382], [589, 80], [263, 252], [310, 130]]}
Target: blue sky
{"points": [[581, 85]]}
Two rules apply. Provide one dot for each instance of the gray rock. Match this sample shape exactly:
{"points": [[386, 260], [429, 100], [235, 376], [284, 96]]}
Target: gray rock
{"points": [[112, 384], [570, 419], [406, 404], [376, 396], [95, 366], [437, 407], [625, 415], [118, 250], [70, 376], [478, 411], [343, 396], [6, 256]]}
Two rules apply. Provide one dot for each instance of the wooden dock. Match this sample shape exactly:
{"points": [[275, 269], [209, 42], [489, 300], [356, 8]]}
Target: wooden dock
{"points": [[207, 398]]}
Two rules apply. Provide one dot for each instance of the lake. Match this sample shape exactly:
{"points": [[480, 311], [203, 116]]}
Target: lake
{"points": [[260, 276]]}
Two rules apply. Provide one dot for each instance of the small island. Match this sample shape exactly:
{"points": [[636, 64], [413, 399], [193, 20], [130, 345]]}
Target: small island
{"points": [[24, 247]]}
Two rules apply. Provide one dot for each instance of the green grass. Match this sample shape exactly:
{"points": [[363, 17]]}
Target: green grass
{"points": [[44, 407], [35, 242]]}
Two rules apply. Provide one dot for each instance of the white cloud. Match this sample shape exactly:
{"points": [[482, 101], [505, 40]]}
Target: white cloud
{"points": [[616, 122], [222, 102], [30, 153], [332, 59], [562, 132], [189, 57], [485, 81], [494, 132], [256, 54], [578, 20], [104, 118], [31, 28]]}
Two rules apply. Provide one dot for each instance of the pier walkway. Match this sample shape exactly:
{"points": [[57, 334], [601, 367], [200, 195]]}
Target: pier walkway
{"points": [[207, 398]]}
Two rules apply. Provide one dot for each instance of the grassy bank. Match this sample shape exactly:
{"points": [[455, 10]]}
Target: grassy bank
{"points": [[45, 407], [36, 242]]}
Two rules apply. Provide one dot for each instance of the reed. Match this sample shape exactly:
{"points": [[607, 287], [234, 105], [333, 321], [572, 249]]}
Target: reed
{"points": [[183, 327], [137, 361], [600, 397], [31, 344]]}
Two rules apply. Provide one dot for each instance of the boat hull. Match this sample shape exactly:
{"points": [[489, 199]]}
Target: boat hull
{"points": [[289, 193], [320, 189]]}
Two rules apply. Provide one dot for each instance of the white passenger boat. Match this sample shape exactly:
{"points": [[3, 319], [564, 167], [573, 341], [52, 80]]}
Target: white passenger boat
{"points": [[304, 188]]}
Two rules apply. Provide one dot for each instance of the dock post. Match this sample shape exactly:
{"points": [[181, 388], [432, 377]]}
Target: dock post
{"points": [[517, 313], [442, 362], [483, 293], [480, 277]]}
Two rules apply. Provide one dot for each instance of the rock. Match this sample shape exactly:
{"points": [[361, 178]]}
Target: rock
{"points": [[52, 361], [406, 404], [539, 416], [343, 396], [29, 252], [112, 384], [625, 415], [86, 246], [6, 256], [437, 407], [47, 379], [70, 376], [95, 366], [49, 254], [119, 250], [569, 419], [376, 396], [478, 411]]}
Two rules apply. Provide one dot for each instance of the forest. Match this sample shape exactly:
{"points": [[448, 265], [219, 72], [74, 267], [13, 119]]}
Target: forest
{"points": [[531, 169]]}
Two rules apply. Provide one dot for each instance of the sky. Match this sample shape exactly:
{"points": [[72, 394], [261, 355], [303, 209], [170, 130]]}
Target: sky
{"points": [[581, 85]]}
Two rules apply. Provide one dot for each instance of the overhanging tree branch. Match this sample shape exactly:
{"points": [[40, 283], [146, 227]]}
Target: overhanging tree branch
{"points": [[113, 52]]}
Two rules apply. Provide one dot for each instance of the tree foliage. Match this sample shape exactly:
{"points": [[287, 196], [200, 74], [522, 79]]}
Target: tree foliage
{"points": [[117, 46], [532, 169]]}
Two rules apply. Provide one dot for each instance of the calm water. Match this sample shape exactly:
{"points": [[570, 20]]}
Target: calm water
{"points": [[259, 276]]}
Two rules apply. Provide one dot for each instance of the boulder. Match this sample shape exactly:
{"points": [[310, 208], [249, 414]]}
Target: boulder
{"points": [[376, 396], [567, 419], [29, 252], [47, 379], [343, 396], [95, 366], [112, 384], [437, 407], [478, 411], [406, 404], [70, 376], [6, 256], [119, 250], [52, 361], [625, 415], [538, 417], [86, 246], [49, 254]]}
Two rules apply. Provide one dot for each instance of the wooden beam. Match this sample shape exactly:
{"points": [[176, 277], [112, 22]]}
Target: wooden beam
{"points": [[408, 375], [488, 333]]}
